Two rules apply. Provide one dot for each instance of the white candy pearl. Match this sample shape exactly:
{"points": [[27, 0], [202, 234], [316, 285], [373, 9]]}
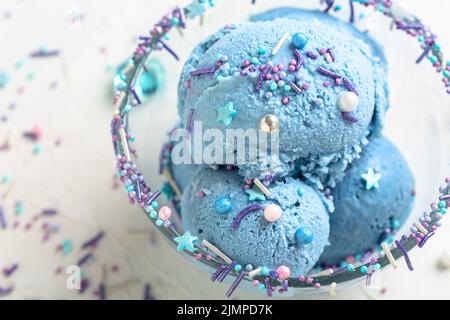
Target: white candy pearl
{"points": [[348, 101], [399, 9], [272, 212]]}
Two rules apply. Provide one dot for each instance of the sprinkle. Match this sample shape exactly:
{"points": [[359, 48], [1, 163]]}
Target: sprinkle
{"points": [[216, 251], [246, 70], [7, 272], [329, 5], [165, 46], [371, 179], [349, 86], [349, 117], [226, 113], [389, 255], [294, 87], [255, 272], [331, 54], [185, 242], [118, 102], [300, 59], [123, 138], [203, 71], [84, 259], [421, 228], [280, 44], [189, 123], [224, 274], [3, 223], [235, 284], [5, 291], [93, 241], [352, 12], [49, 212], [425, 239], [332, 289], [311, 55], [405, 255], [328, 73], [152, 198], [255, 195], [241, 215], [261, 78], [221, 268], [44, 53], [324, 273], [262, 187], [135, 95], [102, 291]]}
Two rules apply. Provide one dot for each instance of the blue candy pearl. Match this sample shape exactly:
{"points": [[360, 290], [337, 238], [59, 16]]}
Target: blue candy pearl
{"points": [[223, 205], [299, 40], [304, 235], [363, 269]]}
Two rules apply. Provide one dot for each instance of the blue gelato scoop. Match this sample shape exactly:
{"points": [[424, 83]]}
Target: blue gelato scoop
{"points": [[333, 70], [216, 208], [375, 198]]}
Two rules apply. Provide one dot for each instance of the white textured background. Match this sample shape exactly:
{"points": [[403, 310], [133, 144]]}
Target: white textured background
{"points": [[77, 177]]}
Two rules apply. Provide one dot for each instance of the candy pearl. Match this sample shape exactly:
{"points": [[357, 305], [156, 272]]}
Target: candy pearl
{"points": [[348, 101], [272, 212], [269, 123], [255, 283], [301, 278], [285, 100], [165, 213], [198, 256], [223, 205], [248, 267], [299, 40], [304, 235], [317, 285], [283, 272]]}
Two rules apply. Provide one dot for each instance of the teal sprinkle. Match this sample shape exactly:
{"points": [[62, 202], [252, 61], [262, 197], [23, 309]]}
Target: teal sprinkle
{"points": [[442, 204], [132, 138], [443, 211], [287, 88], [254, 60], [261, 286], [363, 269], [420, 38], [437, 47], [37, 148], [175, 21], [67, 246], [377, 266], [18, 210], [127, 108], [358, 257], [273, 86], [130, 188], [226, 113], [159, 222], [255, 195], [153, 214], [300, 192], [446, 73], [4, 79], [5, 179], [122, 86], [262, 51], [220, 78], [395, 224], [155, 204], [167, 36], [351, 268], [265, 271], [237, 268], [338, 8]]}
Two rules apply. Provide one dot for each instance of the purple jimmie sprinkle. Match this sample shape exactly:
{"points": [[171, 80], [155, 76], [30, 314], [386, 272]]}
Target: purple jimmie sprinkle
{"points": [[93, 241], [203, 71], [410, 26], [190, 121], [405, 254], [235, 284], [311, 55], [44, 53], [153, 197], [328, 73], [352, 12], [165, 46], [49, 212], [425, 52], [5, 291], [224, 274], [425, 239], [148, 292], [294, 87], [349, 117], [102, 291], [300, 59], [245, 71], [84, 285], [3, 223], [182, 17], [269, 287], [135, 95], [7, 272], [161, 157], [243, 213], [218, 272], [84, 259], [329, 4], [261, 78], [446, 197], [350, 86], [330, 52]]}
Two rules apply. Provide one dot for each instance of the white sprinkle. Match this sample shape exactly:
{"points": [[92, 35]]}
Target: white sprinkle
{"points": [[262, 187], [389, 255], [128, 68], [328, 58], [280, 44], [216, 251], [123, 138], [323, 273], [332, 290], [421, 228], [254, 272]]}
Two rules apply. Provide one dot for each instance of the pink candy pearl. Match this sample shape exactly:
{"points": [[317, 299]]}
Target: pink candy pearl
{"points": [[283, 272], [291, 68], [317, 285], [255, 283], [285, 100], [301, 278], [165, 213], [272, 213], [274, 69], [198, 256], [268, 76]]}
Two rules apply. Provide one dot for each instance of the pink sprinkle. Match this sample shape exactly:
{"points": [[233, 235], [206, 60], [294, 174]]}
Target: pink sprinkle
{"points": [[293, 62], [280, 67], [275, 70], [208, 257], [255, 283], [338, 81], [317, 285], [277, 78], [201, 194], [309, 280], [326, 83], [292, 68], [268, 76], [198, 256], [305, 86], [322, 51], [285, 100], [246, 63], [301, 278]]}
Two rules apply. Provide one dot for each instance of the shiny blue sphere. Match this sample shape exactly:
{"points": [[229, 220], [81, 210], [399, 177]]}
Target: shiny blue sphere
{"points": [[299, 40], [304, 235], [223, 205]]}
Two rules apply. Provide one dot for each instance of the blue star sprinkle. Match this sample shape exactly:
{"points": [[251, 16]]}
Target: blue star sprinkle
{"points": [[254, 195], [371, 179], [226, 113], [185, 242]]}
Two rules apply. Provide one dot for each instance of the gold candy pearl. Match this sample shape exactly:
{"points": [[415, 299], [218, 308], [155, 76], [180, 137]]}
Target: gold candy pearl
{"points": [[269, 123]]}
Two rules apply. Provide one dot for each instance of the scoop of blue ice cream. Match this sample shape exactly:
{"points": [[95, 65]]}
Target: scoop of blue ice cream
{"points": [[311, 123], [296, 240], [374, 199]]}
